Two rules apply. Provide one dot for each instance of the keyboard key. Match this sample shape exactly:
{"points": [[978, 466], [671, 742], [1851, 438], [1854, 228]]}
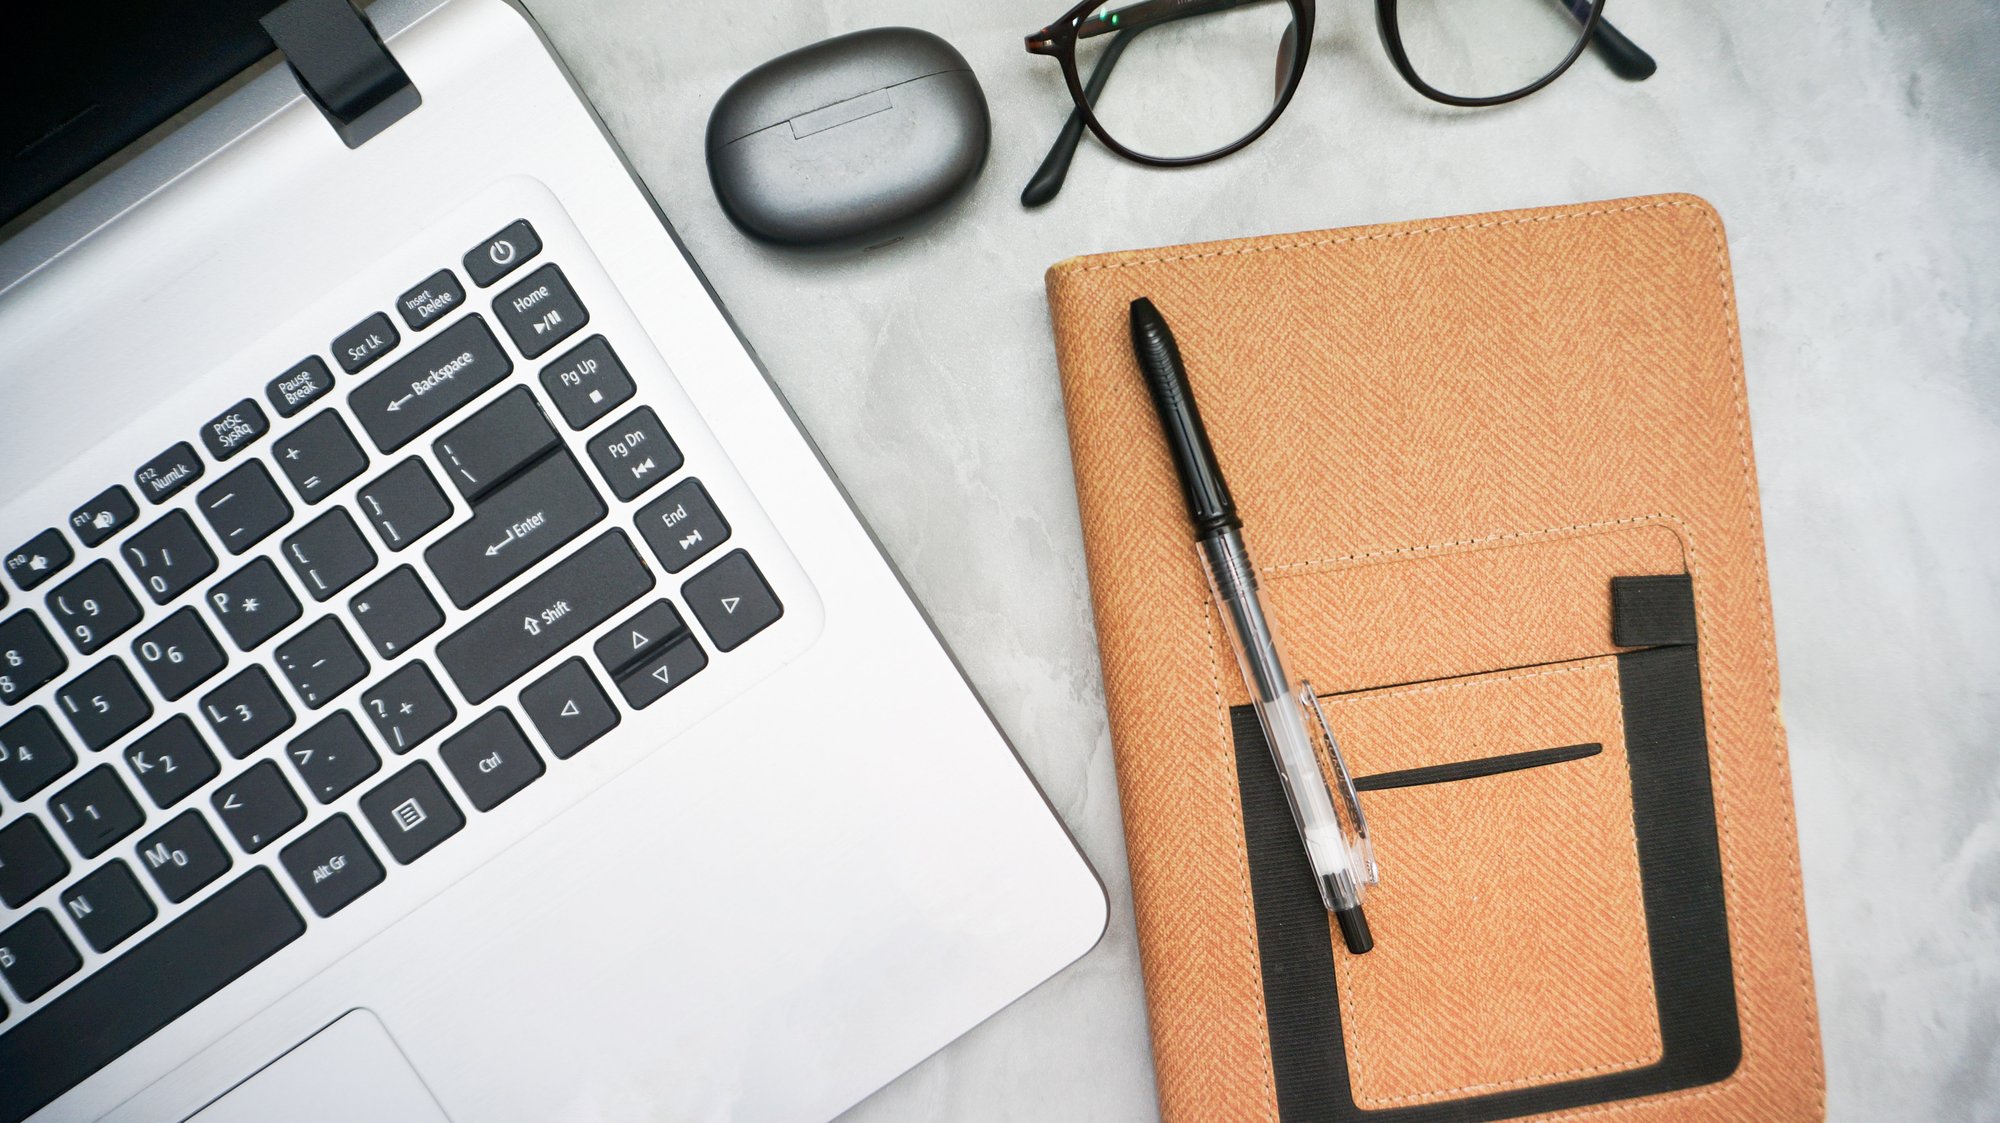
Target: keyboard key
{"points": [[501, 254], [329, 554], [239, 426], [322, 662], [635, 454], [253, 604], [29, 861], [434, 296], [319, 456], [103, 704], [34, 957], [494, 443], [163, 476], [332, 757], [491, 760], [183, 856], [682, 525], [246, 712], [430, 383], [405, 504], [244, 507], [40, 558], [408, 707], [364, 343], [33, 754], [29, 657], [95, 811], [331, 865], [653, 628], [521, 523], [168, 557], [132, 997], [544, 616], [258, 806], [569, 709], [307, 382], [540, 312], [93, 608], [396, 612], [587, 383], [171, 762], [178, 654], [411, 813], [732, 600], [104, 516], [108, 906], [649, 681]]}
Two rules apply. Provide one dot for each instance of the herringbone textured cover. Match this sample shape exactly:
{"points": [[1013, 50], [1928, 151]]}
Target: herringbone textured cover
{"points": [[1433, 414]]}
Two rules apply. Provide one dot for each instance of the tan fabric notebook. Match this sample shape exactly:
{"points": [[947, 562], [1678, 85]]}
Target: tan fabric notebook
{"points": [[1496, 475]]}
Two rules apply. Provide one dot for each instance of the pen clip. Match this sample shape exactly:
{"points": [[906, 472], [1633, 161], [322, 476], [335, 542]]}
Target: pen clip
{"points": [[1347, 807]]}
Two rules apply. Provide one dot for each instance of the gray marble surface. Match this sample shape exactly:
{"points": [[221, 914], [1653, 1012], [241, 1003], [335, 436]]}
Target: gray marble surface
{"points": [[1854, 152]]}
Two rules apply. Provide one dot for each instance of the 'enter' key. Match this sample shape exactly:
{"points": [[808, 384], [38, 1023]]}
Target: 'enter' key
{"points": [[516, 526]]}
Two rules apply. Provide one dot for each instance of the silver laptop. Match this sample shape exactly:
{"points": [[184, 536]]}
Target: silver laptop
{"points": [[438, 680]]}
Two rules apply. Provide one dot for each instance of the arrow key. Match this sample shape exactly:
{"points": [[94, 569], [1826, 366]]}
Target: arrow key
{"points": [[39, 559], [732, 600], [650, 681], [638, 638], [569, 709]]}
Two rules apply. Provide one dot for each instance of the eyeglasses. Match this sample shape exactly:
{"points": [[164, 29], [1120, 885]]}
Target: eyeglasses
{"points": [[1199, 79]]}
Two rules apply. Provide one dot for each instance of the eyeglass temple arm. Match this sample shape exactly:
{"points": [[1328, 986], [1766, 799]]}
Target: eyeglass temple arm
{"points": [[1621, 54], [1047, 181], [1625, 58]]}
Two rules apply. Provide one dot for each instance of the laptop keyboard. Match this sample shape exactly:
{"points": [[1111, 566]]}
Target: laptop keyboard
{"points": [[365, 669]]}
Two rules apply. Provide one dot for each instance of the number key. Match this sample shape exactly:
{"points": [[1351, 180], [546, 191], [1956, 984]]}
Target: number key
{"points": [[29, 657], [179, 653], [94, 607], [169, 556], [246, 712], [183, 856], [95, 811], [103, 704], [32, 754], [171, 762]]}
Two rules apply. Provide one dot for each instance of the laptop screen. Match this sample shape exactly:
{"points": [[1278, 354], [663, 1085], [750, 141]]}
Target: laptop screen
{"points": [[81, 79]]}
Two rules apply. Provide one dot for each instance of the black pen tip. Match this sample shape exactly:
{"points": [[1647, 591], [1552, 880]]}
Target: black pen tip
{"points": [[1143, 312], [1354, 930]]}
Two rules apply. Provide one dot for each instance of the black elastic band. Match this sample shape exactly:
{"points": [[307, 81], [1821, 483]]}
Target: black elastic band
{"points": [[1472, 769], [1653, 611]]}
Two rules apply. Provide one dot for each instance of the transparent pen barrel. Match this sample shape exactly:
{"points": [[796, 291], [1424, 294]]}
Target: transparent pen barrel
{"points": [[1338, 867]]}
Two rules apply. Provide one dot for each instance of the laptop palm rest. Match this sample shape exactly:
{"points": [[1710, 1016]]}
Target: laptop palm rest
{"points": [[350, 1070]]}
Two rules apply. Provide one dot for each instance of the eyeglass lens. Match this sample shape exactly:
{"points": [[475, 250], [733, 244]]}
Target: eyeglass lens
{"points": [[1186, 85], [1488, 48]]}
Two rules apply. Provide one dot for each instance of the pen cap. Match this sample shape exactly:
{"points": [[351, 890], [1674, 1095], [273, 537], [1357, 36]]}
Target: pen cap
{"points": [[1208, 501]]}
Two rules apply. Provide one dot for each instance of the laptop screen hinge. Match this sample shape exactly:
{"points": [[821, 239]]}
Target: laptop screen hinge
{"points": [[343, 66]]}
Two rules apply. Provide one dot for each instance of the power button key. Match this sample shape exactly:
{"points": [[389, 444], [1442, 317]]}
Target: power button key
{"points": [[501, 254]]}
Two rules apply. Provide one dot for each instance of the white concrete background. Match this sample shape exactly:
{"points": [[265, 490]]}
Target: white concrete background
{"points": [[1854, 152]]}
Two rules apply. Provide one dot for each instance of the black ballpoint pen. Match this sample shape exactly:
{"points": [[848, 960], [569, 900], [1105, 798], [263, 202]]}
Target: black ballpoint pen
{"points": [[1337, 848]]}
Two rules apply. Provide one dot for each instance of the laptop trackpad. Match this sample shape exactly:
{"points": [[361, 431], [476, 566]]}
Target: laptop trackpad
{"points": [[350, 1070]]}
